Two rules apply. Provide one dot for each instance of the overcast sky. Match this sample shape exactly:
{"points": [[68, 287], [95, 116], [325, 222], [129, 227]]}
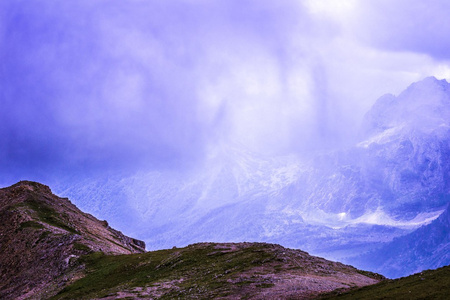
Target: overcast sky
{"points": [[120, 85]]}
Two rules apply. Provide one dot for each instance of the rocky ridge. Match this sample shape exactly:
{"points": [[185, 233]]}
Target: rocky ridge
{"points": [[42, 237]]}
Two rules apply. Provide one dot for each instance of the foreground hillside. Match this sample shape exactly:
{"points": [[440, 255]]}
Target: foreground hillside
{"points": [[49, 248], [430, 284], [211, 270]]}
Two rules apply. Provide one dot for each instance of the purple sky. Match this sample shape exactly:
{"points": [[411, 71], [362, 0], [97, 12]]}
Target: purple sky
{"points": [[121, 85]]}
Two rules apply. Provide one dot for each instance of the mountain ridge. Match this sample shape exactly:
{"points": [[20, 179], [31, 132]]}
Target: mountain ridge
{"points": [[51, 249]]}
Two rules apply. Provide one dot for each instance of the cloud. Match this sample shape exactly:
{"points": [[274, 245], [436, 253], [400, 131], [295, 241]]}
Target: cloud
{"points": [[106, 83], [113, 84], [407, 26]]}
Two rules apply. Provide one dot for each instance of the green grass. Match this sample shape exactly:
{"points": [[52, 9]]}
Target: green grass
{"points": [[431, 284], [31, 224], [47, 214], [195, 270], [265, 285], [81, 247]]}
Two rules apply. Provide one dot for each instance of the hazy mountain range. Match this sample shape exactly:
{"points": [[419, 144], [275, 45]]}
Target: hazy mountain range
{"points": [[339, 204]]}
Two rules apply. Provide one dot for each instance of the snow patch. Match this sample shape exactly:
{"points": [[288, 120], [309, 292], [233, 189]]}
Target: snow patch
{"points": [[377, 217], [383, 137]]}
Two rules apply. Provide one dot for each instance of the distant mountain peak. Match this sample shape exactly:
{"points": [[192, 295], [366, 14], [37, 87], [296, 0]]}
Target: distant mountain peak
{"points": [[431, 80], [428, 84], [424, 106]]}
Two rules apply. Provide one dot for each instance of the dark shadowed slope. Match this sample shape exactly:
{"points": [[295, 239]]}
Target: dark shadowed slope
{"points": [[430, 284], [427, 246], [42, 236]]}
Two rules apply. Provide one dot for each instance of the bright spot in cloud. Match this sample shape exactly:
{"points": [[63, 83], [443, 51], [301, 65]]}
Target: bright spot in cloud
{"points": [[337, 9], [442, 71]]}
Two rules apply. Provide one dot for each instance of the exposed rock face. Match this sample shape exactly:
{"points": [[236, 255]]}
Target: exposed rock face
{"points": [[41, 237]]}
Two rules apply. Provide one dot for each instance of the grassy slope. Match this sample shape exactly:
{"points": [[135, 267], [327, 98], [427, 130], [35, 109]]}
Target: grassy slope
{"points": [[431, 284], [201, 271]]}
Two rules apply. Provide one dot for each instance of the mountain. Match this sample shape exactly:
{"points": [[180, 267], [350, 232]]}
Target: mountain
{"points": [[408, 149], [416, 172], [51, 249], [339, 204], [43, 236]]}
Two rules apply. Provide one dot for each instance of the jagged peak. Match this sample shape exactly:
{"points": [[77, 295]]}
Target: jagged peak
{"points": [[434, 80], [431, 80], [424, 105], [427, 83]]}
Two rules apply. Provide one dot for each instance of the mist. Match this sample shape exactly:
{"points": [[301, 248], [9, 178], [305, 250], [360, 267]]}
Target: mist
{"points": [[96, 86]]}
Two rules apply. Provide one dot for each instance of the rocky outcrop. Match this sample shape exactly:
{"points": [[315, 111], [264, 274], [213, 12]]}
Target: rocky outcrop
{"points": [[41, 238]]}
